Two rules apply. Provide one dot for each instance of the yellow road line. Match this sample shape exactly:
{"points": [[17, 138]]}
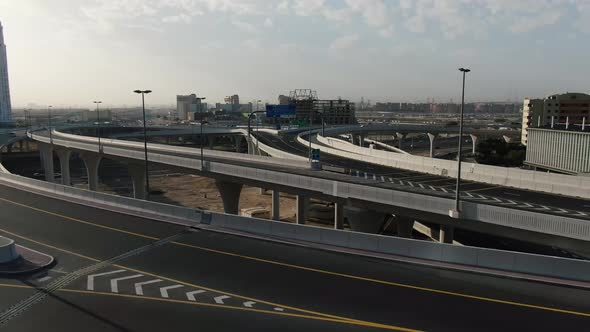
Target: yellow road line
{"points": [[482, 189], [194, 285], [220, 306], [438, 291]]}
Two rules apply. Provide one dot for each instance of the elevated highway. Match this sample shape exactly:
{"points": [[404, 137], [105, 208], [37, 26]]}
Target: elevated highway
{"points": [[358, 197]]}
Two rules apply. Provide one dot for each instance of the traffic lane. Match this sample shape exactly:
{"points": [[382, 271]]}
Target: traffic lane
{"points": [[78, 235], [68, 311], [354, 298], [12, 292], [60, 208]]}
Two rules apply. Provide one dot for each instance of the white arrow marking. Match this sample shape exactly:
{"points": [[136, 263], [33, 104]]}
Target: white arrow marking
{"points": [[164, 290], [191, 295], [115, 287], [139, 285], [249, 304], [91, 277], [220, 299], [279, 309]]}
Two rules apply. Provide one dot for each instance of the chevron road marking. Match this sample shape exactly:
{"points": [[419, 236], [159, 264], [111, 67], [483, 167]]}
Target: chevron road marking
{"points": [[191, 295], [164, 290], [249, 304], [279, 309], [90, 285], [115, 286], [219, 299], [560, 210], [139, 285]]}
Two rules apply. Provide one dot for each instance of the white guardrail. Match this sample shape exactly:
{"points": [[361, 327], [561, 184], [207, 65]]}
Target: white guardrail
{"points": [[568, 185], [569, 269], [471, 211]]}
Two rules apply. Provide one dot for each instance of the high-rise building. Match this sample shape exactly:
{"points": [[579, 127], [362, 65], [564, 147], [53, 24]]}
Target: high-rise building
{"points": [[186, 106], [561, 109], [5, 107], [233, 100]]}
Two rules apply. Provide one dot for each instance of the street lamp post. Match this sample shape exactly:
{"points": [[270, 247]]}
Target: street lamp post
{"points": [[201, 138], [98, 124], [257, 121], [249, 126], [456, 212], [147, 177]]}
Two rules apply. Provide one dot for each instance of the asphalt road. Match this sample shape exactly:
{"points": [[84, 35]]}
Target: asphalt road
{"points": [[198, 280], [288, 143]]}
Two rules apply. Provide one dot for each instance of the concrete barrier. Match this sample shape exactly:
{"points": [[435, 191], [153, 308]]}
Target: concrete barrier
{"points": [[7, 250], [563, 268]]}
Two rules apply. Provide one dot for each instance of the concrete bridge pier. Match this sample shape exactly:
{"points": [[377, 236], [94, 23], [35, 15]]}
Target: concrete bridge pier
{"points": [[20, 146], [400, 137], [238, 143], [276, 205], [404, 226], [137, 173], [92, 162], [64, 165], [338, 215], [230, 195], [474, 142], [46, 153], [447, 234], [301, 209], [432, 138], [363, 220]]}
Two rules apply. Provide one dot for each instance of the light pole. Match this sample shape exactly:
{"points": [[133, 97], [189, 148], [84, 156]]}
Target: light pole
{"points": [[147, 177], [257, 121], [201, 138], [98, 124], [457, 211], [49, 123], [249, 127]]}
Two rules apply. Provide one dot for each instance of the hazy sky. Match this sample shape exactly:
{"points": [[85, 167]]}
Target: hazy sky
{"points": [[70, 52]]}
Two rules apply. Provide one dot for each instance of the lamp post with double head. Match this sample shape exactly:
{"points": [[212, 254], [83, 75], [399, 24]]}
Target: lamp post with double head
{"points": [[147, 178], [201, 137]]}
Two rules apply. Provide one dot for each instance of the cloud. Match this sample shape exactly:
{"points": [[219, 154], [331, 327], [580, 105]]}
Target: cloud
{"points": [[344, 42], [387, 32], [182, 18], [244, 26], [267, 22]]}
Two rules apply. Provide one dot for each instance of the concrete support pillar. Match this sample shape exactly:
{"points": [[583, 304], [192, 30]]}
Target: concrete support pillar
{"points": [[167, 139], [474, 142], [46, 153], [137, 173], [362, 140], [27, 147], [92, 162], [211, 141], [302, 205], [352, 138], [400, 137], [230, 195], [276, 205], [238, 142], [9, 148], [64, 164], [20, 145], [338, 215], [432, 137], [363, 220], [447, 234], [404, 226]]}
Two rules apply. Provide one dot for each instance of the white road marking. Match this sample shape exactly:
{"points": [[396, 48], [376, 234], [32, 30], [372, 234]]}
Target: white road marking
{"points": [[279, 309], [526, 205], [249, 304], [90, 285], [421, 185], [374, 177], [366, 176], [115, 286], [432, 188], [410, 183], [561, 210], [443, 189], [543, 207], [44, 279], [382, 178], [191, 295], [219, 299], [468, 194], [139, 285], [497, 200], [391, 180], [581, 214], [164, 290], [509, 202]]}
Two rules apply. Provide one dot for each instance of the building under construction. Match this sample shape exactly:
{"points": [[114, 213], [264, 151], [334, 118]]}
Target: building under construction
{"points": [[308, 106]]}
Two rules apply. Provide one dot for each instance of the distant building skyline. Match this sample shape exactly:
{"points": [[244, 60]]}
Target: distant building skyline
{"points": [[5, 105]]}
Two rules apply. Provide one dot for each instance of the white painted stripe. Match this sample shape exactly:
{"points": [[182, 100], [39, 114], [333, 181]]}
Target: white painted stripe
{"points": [[374, 177], [164, 290], [366, 176], [279, 309], [139, 285], [443, 189], [115, 286], [391, 180], [219, 299], [432, 188], [90, 285], [382, 178], [44, 279], [410, 183], [191, 295], [421, 185]]}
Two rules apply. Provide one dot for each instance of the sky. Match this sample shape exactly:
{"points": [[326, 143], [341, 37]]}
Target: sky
{"points": [[72, 52]]}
